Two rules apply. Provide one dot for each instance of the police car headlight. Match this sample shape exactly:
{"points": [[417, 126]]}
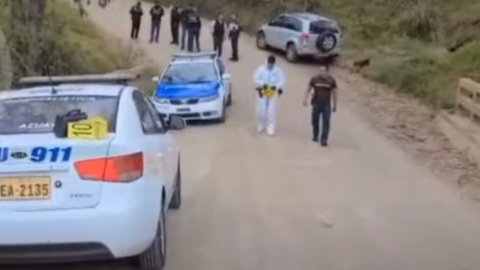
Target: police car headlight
{"points": [[163, 101], [208, 99]]}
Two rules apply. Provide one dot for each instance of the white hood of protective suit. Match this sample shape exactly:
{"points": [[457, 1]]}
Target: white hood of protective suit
{"points": [[273, 77]]}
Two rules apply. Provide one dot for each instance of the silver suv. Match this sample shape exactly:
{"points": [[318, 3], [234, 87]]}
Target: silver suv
{"points": [[301, 35]]}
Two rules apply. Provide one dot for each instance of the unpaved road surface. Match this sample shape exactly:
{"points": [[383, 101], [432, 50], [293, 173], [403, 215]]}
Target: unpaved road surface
{"points": [[259, 203]]}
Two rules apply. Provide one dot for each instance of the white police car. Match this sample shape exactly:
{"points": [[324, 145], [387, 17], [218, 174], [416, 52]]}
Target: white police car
{"points": [[194, 86], [65, 198]]}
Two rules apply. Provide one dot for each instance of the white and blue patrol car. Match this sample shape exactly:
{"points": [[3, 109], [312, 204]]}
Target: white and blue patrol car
{"points": [[195, 86], [64, 198]]}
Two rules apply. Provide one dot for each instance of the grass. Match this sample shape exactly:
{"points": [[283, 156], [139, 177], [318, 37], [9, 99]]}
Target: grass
{"points": [[407, 40], [70, 45]]}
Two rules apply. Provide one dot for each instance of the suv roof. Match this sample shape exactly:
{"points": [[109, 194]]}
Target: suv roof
{"points": [[309, 16]]}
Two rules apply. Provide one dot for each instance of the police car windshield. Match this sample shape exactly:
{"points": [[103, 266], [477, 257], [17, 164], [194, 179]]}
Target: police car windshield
{"points": [[190, 73], [31, 115]]}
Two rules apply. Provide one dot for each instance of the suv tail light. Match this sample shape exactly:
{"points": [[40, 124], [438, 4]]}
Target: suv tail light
{"points": [[121, 169], [305, 37]]}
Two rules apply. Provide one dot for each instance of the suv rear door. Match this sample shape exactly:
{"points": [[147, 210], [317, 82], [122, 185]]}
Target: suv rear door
{"points": [[291, 30], [318, 28], [274, 31]]}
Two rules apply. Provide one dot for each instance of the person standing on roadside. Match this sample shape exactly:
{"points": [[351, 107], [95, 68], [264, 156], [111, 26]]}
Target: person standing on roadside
{"points": [[184, 15], [136, 13], [234, 30], [322, 90], [194, 26], [218, 33], [156, 12], [174, 24], [269, 80]]}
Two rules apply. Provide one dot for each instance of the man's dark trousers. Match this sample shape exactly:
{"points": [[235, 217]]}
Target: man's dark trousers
{"points": [[218, 45], [135, 29], [193, 40], [174, 27], [324, 110], [234, 41], [155, 32], [184, 34]]}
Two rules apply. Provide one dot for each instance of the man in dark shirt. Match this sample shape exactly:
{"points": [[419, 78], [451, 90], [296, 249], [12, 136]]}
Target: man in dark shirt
{"points": [[234, 30], [174, 24], [136, 12], [184, 15], [323, 92], [194, 25], [218, 33], [156, 12]]}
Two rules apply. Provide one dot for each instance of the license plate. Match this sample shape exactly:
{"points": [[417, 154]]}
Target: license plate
{"points": [[25, 188], [183, 110]]}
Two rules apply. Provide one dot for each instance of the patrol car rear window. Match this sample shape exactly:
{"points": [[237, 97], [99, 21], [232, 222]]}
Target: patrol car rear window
{"points": [[190, 73], [32, 115], [319, 27]]}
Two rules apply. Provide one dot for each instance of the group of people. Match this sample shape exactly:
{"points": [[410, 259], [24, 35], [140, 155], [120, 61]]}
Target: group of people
{"points": [[186, 25], [321, 94]]}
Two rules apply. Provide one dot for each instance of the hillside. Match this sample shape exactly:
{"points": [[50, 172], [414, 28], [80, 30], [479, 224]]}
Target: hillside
{"points": [[65, 44], [419, 47]]}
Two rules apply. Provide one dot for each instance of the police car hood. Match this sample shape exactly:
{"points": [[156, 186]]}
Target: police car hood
{"points": [[187, 90]]}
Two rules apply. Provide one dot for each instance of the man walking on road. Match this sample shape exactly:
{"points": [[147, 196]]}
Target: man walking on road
{"points": [[323, 93], [269, 80], [174, 24], [136, 12], [218, 34], [234, 34], [184, 15], [194, 26], [156, 12]]}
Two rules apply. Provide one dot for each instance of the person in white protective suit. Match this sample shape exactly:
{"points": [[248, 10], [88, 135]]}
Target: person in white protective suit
{"points": [[269, 80]]}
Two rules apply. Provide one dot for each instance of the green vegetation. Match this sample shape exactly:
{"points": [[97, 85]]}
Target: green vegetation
{"points": [[66, 44], [408, 41]]}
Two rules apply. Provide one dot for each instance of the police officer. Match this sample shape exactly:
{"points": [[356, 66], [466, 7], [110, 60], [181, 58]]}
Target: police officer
{"points": [[156, 12], [194, 26], [234, 30], [323, 92], [184, 15], [136, 12], [174, 24], [269, 80], [218, 33]]}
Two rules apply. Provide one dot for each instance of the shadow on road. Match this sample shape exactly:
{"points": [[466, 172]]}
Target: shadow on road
{"points": [[110, 265]]}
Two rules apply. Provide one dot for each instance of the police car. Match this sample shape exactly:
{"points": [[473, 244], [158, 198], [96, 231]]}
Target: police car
{"points": [[70, 192], [194, 86]]}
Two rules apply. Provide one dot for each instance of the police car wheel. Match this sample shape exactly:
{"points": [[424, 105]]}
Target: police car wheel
{"points": [[229, 99], [176, 200], [154, 257], [223, 116]]}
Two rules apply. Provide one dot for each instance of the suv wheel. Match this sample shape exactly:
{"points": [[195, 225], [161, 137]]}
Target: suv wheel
{"points": [[261, 41], [326, 42], [292, 55]]}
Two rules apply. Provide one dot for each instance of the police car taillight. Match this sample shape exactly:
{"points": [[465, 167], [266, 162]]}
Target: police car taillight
{"points": [[121, 169]]}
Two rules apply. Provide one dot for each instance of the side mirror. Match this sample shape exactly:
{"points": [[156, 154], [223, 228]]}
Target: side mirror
{"points": [[155, 79], [176, 123], [226, 77]]}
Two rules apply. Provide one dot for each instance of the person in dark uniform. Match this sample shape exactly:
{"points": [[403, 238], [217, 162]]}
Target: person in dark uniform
{"points": [[156, 12], [184, 15], [218, 34], [234, 30], [174, 24], [136, 12], [194, 26], [323, 92]]}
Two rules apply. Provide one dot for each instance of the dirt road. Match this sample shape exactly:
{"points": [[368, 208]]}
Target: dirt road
{"points": [[283, 203]]}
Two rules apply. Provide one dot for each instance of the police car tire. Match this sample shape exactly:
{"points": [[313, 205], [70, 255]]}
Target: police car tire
{"points": [[223, 117], [154, 257], [322, 38], [229, 99], [176, 200]]}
